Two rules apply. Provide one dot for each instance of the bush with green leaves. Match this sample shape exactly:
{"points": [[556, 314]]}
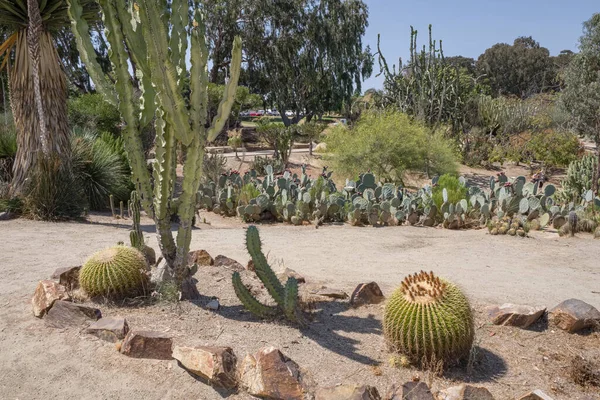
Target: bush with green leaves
{"points": [[455, 190], [390, 144], [8, 150], [93, 112], [279, 137]]}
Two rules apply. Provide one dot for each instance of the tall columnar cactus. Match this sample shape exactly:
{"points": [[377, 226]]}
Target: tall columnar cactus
{"points": [[286, 296], [429, 320], [135, 235], [153, 36]]}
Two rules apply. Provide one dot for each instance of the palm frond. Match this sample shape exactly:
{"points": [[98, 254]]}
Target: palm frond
{"points": [[13, 13]]}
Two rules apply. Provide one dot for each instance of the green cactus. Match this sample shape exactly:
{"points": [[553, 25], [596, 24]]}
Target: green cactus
{"points": [[136, 236], [429, 320], [286, 296], [115, 272], [154, 38]]}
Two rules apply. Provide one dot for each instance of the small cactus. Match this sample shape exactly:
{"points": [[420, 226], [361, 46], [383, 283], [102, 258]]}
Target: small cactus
{"points": [[573, 219], [429, 320], [115, 272]]}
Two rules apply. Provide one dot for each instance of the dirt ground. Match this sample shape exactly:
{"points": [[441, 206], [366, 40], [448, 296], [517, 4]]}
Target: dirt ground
{"points": [[340, 345]]}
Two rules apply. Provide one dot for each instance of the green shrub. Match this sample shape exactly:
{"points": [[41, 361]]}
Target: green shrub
{"points": [[100, 165], [214, 165], [53, 192], [456, 191], [389, 144], [93, 112], [8, 149]]}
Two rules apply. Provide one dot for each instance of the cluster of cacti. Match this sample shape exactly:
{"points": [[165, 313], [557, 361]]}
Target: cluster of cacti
{"points": [[429, 320], [155, 39], [578, 221], [115, 272], [516, 226], [577, 185], [286, 297]]}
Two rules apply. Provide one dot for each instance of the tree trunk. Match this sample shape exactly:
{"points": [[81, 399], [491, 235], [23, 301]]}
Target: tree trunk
{"points": [[52, 91]]}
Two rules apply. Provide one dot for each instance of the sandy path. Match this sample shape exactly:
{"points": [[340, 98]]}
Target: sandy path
{"points": [[36, 363]]}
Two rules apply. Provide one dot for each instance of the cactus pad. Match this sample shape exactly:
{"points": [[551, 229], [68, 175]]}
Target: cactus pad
{"points": [[429, 320], [114, 272]]}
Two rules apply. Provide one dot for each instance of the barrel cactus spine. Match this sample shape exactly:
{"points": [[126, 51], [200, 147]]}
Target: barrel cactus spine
{"points": [[429, 320]]}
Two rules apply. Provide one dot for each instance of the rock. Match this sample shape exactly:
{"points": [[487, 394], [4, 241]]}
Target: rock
{"points": [[6, 215], [320, 148], [68, 276], [64, 314], [348, 392], [200, 257], [161, 273], [515, 315], [46, 293], [535, 395], [366, 293], [147, 344], [250, 266], [332, 293], [213, 305], [270, 374], [215, 364], [574, 315], [410, 391], [289, 273], [465, 392], [222, 261], [111, 329]]}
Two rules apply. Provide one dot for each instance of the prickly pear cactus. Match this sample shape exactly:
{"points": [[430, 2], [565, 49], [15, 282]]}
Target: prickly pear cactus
{"points": [[429, 320], [115, 272]]}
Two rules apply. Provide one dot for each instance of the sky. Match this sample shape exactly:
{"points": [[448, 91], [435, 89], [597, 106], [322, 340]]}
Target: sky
{"points": [[468, 27]]}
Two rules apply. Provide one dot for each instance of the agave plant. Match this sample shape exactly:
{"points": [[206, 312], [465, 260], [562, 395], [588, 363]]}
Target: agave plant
{"points": [[38, 89]]}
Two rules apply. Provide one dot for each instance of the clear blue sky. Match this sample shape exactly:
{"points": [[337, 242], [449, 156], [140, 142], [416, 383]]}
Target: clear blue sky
{"points": [[468, 27]]}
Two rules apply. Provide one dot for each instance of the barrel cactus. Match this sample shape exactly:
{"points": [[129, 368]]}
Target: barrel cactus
{"points": [[115, 272], [429, 320]]}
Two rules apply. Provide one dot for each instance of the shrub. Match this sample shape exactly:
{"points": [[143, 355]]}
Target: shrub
{"points": [[8, 150], [389, 144], [260, 163], [456, 190], [278, 136], [100, 165], [93, 112], [53, 192], [579, 178], [214, 165]]}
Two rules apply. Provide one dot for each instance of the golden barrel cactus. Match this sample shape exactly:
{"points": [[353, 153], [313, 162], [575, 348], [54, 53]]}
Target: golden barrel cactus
{"points": [[429, 320], [114, 272]]}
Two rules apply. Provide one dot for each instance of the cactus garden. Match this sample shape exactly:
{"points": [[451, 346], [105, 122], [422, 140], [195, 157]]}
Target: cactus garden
{"points": [[217, 199]]}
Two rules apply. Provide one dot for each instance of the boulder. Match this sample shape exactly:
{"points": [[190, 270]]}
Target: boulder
{"points": [[46, 293], [366, 293], [331, 293], [64, 314], [535, 395], [68, 276], [213, 305], [465, 392], [348, 392], [270, 374], [515, 315], [574, 315], [147, 344], [222, 261], [111, 329], [320, 148], [410, 391], [6, 215], [200, 257], [214, 364], [290, 273]]}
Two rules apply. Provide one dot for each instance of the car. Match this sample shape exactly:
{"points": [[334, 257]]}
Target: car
{"points": [[244, 113]]}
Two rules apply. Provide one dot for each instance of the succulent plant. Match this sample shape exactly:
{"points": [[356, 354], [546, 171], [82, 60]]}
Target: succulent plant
{"points": [[573, 222], [114, 273], [286, 296], [429, 319]]}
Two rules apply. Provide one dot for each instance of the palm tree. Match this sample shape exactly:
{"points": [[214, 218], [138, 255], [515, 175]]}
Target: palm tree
{"points": [[38, 88]]}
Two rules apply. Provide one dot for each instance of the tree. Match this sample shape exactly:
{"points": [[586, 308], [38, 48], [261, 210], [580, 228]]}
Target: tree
{"points": [[465, 63], [581, 96], [38, 90], [306, 55], [521, 69]]}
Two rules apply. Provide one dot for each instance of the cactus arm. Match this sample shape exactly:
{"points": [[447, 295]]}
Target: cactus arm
{"points": [[163, 189], [249, 301], [81, 30], [229, 93], [263, 270], [136, 236], [198, 74], [133, 143], [178, 41], [163, 71], [290, 299]]}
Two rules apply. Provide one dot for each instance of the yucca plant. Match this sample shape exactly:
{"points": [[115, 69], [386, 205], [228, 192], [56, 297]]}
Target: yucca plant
{"points": [[38, 90], [154, 36]]}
